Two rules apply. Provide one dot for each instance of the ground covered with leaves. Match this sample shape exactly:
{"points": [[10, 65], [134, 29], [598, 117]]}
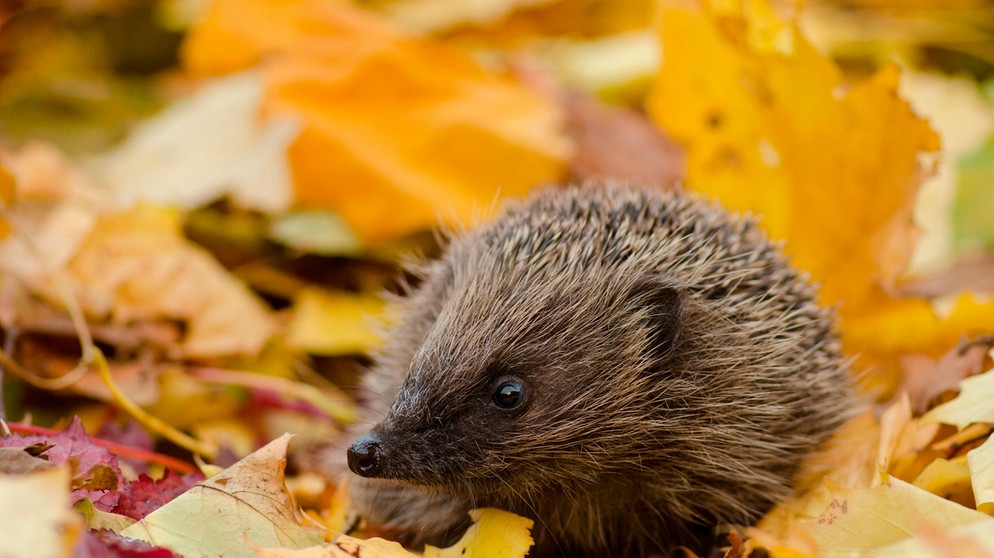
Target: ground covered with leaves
{"points": [[204, 202]]}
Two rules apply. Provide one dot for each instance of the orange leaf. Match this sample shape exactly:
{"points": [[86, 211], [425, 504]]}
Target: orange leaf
{"points": [[398, 131]]}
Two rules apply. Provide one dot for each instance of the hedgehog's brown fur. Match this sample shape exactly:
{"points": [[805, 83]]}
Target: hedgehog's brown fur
{"points": [[676, 370]]}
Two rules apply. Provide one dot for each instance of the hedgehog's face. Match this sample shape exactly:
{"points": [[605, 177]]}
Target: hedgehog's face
{"points": [[504, 396]]}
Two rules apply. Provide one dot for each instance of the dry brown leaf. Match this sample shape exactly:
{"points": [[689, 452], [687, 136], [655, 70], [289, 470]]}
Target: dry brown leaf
{"points": [[925, 379], [122, 265], [618, 144]]}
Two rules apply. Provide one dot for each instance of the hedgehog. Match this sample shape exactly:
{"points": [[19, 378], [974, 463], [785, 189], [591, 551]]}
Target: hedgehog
{"points": [[627, 367]]}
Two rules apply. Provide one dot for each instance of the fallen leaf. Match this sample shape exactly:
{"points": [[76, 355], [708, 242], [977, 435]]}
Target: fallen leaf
{"points": [[925, 379], [225, 147], [972, 540], [332, 322], [981, 468], [136, 265], [74, 247], [973, 404], [493, 534], [343, 546], [144, 495], [95, 472], [770, 127], [108, 543], [861, 520], [316, 231], [18, 461], [378, 108], [98, 519], [949, 479], [245, 504], [955, 107], [969, 273], [432, 16], [186, 401], [35, 514], [614, 143], [509, 23]]}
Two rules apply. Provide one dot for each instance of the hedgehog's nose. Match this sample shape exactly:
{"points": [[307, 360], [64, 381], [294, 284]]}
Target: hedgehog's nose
{"points": [[366, 456]]}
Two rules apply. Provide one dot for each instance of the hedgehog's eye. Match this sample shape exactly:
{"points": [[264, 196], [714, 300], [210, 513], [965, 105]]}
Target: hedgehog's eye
{"points": [[509, 395]]}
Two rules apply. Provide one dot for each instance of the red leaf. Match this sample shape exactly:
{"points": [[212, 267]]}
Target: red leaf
{"points": [[95, 474], [145, 495]]}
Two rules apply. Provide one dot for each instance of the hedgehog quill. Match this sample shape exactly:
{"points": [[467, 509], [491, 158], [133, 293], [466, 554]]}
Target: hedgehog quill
{"points": [[626, 367]]}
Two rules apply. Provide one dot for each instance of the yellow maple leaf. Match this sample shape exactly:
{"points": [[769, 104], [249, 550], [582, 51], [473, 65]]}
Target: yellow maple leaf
{"points": [[398, 131], [772, 128]]}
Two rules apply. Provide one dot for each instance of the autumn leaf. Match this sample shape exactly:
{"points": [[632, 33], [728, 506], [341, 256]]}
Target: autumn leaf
{"points": [[972, 539], [333, 323], [136, 265], [144, 495], [764, 121], [861, 520], [95, 472], [980, 463], [343, 546], [379, 110], [949, 479], [35, 518], [973, 404], [494, 533], [243, 157], [246, 503], [124, 265]]}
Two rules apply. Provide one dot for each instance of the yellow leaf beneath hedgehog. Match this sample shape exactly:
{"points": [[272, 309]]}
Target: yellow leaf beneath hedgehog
{"points": [[494, 534], [399, 131], [343, 546]]}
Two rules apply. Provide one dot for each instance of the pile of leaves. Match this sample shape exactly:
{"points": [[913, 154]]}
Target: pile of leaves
{"points": [[204, 202]]}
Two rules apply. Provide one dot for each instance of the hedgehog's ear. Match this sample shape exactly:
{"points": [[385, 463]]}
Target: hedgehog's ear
{"points": [[662, 304]]}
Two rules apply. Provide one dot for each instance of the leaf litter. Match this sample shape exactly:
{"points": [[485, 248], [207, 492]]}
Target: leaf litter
{"points": [[302, 153]]}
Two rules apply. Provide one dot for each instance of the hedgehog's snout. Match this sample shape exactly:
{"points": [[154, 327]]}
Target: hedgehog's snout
{"points": [[366, 456]]}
